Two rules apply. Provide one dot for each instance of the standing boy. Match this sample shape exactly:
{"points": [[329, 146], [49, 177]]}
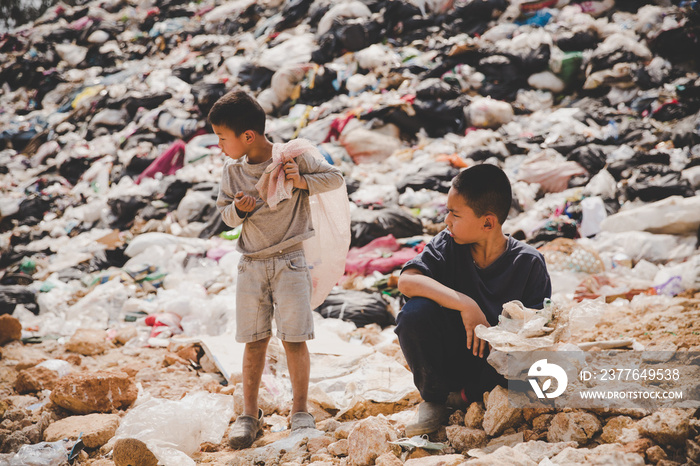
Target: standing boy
{"points": [[461, 280], [273, 278]]}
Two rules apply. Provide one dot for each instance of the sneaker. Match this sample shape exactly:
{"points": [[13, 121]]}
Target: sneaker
{"points": [[457, 400], [245, 430], [302, 420], [429, 418]]}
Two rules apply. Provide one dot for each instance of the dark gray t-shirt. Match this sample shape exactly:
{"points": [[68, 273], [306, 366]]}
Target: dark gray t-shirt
{"points": [[519, 274]]}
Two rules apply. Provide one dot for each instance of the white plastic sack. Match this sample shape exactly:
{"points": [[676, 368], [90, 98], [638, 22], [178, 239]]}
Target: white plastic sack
{"points": [[601, 184], [295, 50], [592, 213], [546, 80], [352, 9], [71, 53], [174, 430], [365, 146], [485, 112], [376, 56], [674, 215], [550, 169], [147, 240]]}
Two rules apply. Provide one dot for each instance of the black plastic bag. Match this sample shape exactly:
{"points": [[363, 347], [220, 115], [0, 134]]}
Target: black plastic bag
{"points": [[12, 295], [358, 307], [367, 225], [436, 177], [591, 157]]}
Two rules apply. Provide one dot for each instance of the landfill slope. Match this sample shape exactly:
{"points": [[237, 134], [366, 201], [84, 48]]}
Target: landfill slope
{"points": [[117, 275]]}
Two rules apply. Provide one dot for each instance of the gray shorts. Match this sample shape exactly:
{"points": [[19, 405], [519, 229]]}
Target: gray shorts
{"points": [[280, 285]]}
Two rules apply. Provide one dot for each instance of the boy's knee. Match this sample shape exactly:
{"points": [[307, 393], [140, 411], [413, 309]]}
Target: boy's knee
{"points": [[417, 311]]}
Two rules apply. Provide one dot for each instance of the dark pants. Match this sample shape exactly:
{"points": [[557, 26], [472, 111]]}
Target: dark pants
{"points": [[434, 342]]}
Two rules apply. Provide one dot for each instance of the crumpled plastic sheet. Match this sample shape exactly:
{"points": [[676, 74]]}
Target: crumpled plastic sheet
{"points": [[174, 429]]}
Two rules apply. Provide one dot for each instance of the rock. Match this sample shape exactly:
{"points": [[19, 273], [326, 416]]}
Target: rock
{"points": [[320, 457], [613, 428], [541, 423], [612, 454], [88, 342], [464, 439], [575, 426], [101, 392], [639, 446], [692, 450], [437, 460], [570, 455], [318, 443], [655, 454], [125, 334], [456, 418], [97, 429], [668, 463], [344, 429], [369, 439], [504, 455], [474, 417], [531, 413], [539, 450], [10, 329], [668, 426], [388, 459], [328, 425], [500, 415], [35, 379], [132, 452], [339, 448]]}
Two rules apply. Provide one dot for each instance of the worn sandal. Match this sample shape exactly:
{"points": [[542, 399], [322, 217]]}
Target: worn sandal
{"points": [[302, 420], [245, 430]]}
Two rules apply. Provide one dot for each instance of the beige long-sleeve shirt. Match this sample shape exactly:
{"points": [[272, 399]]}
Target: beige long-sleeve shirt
{"points": [[267, 232]]}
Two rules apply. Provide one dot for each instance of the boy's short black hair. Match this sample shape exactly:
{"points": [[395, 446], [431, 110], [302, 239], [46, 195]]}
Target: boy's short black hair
{"points": [[486, 190], [239, 112]]}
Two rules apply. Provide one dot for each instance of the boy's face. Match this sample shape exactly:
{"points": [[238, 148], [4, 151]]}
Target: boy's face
{"points": [[464, 226], [232, 145]]}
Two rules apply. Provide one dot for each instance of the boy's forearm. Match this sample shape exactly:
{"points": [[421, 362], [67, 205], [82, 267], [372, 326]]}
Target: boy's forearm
{"points": [[413, 285], [321, 182]]}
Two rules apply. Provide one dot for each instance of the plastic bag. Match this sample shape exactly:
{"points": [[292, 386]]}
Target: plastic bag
{"points": [[358, 307], [489, 113], [42, 454], [366, 146], [170, 428], [674, 215]]}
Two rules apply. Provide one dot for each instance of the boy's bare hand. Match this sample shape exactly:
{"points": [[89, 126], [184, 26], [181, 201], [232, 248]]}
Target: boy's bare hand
{"points": [[243, 202], [472, 317], [291, 171]]}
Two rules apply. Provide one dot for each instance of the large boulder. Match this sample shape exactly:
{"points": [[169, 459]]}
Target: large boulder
{"points": [[578, 427], [500, 415], [97, 429], [94, 392], [369, 439]]}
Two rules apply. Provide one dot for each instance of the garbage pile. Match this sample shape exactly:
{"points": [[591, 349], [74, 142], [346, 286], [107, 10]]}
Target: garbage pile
{"points": [[109, 172]]}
